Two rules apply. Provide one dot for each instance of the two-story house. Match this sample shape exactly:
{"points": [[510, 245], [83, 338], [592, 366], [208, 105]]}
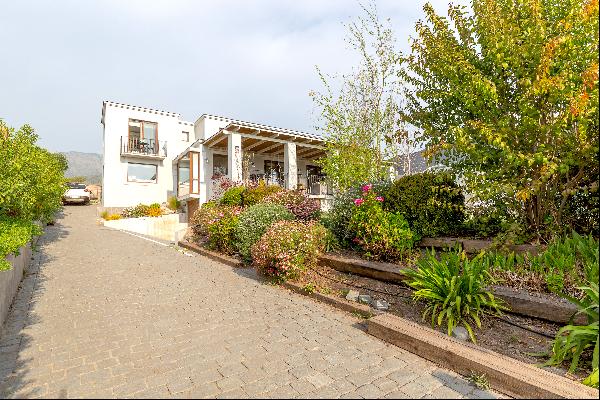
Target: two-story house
{"points": [[150, 155]]}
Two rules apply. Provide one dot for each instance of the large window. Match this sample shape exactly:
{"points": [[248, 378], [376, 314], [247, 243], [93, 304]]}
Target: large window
{"points": [[274, 172], [183, 176], [219, 165], [141, 172]]}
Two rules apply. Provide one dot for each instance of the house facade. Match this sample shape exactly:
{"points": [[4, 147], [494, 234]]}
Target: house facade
{"points": [[150, 155]]}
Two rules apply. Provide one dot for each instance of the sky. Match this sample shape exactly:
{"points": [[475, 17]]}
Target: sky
{"points": [[249, 60]]}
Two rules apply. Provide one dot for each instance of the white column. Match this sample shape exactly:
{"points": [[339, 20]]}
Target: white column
{"points": [[290, 166], [234, 157]]}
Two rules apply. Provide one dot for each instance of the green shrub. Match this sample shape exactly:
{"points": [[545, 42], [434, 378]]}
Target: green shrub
{"points": [[380, 234], [298, 203], [113, 217], [337, 219], [255, 193], [32, 180], [233, 196], [455, 290], [104, 214], [573, 341], [254, 222], [154, 210], [202, 218], [173, 203], [288, 248], [432, 203], [14, 233], [221, 230]]}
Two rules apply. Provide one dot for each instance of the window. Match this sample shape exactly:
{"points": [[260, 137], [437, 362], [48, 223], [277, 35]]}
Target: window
{"points": [[141, 172], [142, 135], [185, 136], [183, 176], [219, 165]]}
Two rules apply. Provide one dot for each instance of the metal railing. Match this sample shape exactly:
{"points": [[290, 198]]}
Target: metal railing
{"points": [[317, 185], [145, 147]]}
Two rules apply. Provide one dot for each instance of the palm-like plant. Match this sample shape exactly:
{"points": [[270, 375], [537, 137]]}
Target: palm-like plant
{"points": [[572, 340], [455, 290]]}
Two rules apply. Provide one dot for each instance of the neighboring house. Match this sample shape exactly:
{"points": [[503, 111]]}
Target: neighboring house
{"points": [[149, 155], [414, 163]]}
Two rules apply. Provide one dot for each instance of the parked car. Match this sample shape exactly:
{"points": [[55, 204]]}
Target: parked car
{"points": [[77, 193]]}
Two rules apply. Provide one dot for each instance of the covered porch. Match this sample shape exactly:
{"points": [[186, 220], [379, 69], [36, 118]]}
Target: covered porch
{"points": [[246, 152]]}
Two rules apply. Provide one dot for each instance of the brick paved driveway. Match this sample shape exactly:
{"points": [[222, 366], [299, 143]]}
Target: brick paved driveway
{"points": [[105, 314]]}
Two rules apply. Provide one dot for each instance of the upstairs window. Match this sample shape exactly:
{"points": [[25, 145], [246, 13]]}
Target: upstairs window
{"points": [[143, 132], [185, 136]]}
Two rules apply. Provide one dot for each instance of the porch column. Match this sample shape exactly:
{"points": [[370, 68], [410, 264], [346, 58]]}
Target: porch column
{"points": [[234, 157], [290, 166]]}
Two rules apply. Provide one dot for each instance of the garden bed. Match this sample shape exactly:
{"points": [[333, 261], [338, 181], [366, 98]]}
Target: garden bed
{"points": [[514, 336], [521, 302]]}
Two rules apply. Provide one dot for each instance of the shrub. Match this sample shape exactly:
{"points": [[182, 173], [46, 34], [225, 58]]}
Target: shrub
{"points": [[113, 217], [253, 223], [14, 233], [104, 214], [255, 193], [455, 290], [154, 210], [221, 230], [201, 219], [432, 203], [233, 196], [337, 219], [288, 248], [141, 210], [381, 234], [296, 202], [173, 203], [572, 341], [32, 179]]}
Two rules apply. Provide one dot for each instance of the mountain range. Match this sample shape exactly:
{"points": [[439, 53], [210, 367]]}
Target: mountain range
{"points": [[88, 165]]}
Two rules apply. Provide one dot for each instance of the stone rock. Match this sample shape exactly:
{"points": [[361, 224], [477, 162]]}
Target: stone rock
{"points": [[460, 333], [352, 295], [381, 305], [364, 298]]}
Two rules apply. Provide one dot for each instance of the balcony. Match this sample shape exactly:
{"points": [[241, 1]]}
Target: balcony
{"points": [[143, 148]]}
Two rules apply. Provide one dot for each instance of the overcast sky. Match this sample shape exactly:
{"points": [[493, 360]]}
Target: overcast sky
{"points": [[251, 60]]}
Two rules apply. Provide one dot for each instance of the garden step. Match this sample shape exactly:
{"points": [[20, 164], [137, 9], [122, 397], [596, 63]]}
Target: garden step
{"points": [[504, 374]]}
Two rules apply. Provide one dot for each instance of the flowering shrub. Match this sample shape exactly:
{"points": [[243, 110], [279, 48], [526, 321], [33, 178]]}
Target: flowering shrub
{"points": [[380, 234], [296, 202], [200, 221], [233, 196], [142, 210], [288, 247], [221, 229], [256, 192], [253, 223], [219, 185]]}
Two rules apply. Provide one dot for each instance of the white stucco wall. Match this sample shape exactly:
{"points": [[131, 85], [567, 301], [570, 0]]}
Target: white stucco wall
{"points": [[117, 191]]}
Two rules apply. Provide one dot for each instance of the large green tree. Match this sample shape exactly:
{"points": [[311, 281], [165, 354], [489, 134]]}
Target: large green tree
{"points": [[360, 118], [507, 93]]}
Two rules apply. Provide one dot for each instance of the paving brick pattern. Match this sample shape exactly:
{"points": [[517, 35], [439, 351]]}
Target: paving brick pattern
{"points": [[105, 314]]}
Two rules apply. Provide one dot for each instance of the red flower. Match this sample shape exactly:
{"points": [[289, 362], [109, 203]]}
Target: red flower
{"points": [[379, 198], [358, 202]]}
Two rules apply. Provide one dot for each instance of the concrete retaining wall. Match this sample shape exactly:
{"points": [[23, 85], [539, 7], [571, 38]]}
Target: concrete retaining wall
{"points": [[10, 279], [165, 227]]}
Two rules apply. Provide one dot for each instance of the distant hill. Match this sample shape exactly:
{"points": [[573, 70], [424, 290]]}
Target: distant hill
{"points": [[84, 164]]}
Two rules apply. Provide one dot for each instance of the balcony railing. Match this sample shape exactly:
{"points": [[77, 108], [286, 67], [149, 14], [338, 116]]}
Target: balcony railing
{"points": [[316, 185], [143, 147]]}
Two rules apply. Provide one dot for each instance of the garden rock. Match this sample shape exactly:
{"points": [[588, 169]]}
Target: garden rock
{"points": [[460, 333], [364, 298], [352, 295], [380, 305]]}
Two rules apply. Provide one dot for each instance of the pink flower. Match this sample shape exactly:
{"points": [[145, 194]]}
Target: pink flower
{"points": [[379, 198], [366, 188], [358, 202]]}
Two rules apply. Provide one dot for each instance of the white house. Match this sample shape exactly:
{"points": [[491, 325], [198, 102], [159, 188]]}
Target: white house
{"points": [[150, 155]]}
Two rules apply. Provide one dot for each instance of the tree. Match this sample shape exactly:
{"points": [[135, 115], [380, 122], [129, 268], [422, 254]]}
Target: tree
{"points": [[360, 121], [508, 94]]}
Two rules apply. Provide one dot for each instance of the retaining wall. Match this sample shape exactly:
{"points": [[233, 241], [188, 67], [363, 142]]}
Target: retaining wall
{"points": [[10, 279]]}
